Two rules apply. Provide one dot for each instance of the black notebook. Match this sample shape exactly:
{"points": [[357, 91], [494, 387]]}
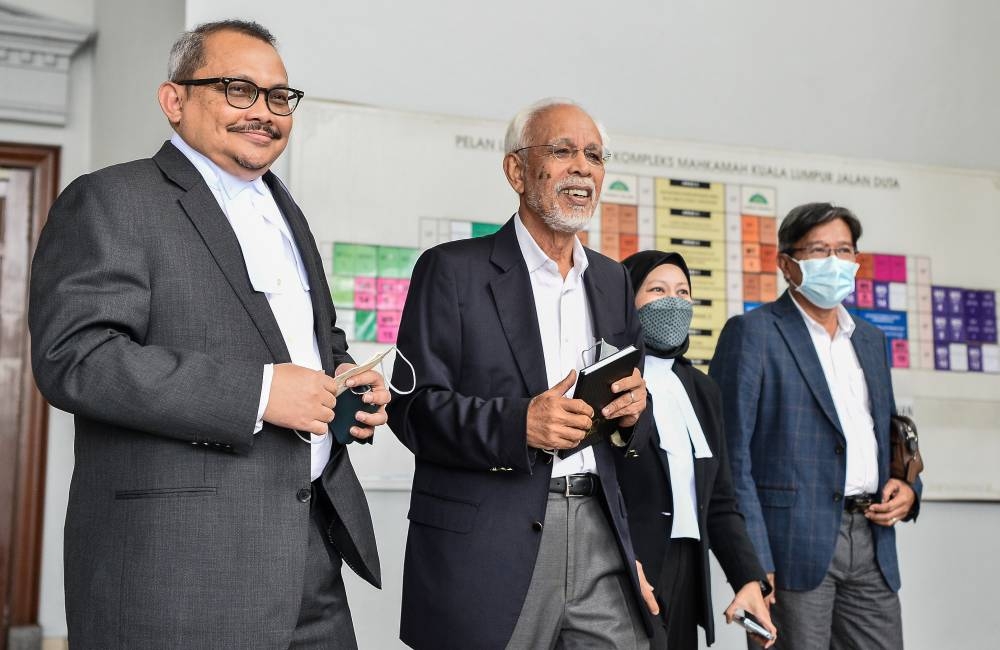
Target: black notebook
{"points": [[594, 387]]}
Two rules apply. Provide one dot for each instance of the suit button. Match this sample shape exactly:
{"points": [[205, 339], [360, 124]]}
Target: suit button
{"points": [[537, 526], [304, 495], [839, 449], [837, 496]]}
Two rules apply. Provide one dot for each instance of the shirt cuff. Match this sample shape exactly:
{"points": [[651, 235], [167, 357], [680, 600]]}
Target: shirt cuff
{"points": [[265, 393]]}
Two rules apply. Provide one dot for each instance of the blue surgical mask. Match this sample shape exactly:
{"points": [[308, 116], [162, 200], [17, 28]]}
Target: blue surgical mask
{"points": [[665, 322], [826, 281]]}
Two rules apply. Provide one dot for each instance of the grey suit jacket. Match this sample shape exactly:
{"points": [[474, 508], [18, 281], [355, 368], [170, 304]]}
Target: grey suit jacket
{"points": [[184, 529]]}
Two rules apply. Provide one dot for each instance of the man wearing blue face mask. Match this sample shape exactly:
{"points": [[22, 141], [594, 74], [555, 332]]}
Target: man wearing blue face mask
{"points": [[807, 397]]}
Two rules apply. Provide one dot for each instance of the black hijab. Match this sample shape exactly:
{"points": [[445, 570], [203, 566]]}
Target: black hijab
{"points": [[639, 266]]}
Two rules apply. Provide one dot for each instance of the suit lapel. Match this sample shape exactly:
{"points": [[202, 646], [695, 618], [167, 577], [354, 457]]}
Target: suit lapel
{"points": [[516, 309], [201, 207], [596, 296], [322, 318], [870, 353], [793, 329]]}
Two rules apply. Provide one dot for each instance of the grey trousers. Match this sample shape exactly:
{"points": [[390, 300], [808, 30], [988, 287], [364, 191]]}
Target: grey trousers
{"points": [[852, 608], [580, 595], [324, 616]]}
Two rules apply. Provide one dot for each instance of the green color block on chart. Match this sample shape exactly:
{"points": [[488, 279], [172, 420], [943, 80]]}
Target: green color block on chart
{"points": [[364, 325], [482, 229], [355, 259], [396, 261], [342, 291]]}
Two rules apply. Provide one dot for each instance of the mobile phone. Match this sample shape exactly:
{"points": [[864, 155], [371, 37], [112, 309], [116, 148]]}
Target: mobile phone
{"points": [[752, 625], [348, 403]]}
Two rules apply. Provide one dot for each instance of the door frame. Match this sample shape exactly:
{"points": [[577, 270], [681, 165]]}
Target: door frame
{"points": [[20, 596]]}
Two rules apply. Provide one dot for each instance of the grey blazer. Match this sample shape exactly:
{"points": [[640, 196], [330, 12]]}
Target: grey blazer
{"points": [[184, 529]]}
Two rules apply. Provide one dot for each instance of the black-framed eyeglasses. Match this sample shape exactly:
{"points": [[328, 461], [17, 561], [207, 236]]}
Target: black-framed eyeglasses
{"points": [[241, 93], [818, 251], [596, 157]]}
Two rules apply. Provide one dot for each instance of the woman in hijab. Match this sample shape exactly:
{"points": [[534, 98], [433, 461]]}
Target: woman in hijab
{"points": [[678, 491]]}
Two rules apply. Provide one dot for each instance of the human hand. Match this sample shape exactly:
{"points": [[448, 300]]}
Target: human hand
{"points": [[647, 590], [773, 598], [378, 394], [749, 599], [897, 502], [556, 421], [301, 399], [632, 401]]}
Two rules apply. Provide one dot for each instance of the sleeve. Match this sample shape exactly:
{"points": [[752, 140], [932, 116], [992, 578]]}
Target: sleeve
{"points": [[727, 531], [437, 422], [638, 435], [89, 313], [737, 368]]}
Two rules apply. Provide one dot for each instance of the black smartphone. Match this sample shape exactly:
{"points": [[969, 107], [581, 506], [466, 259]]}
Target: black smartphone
{"points": [[348, 403], [752, 625]]}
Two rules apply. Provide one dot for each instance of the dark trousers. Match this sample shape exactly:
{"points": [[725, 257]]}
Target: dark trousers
{"points": [[324, 615], [679, 594]]}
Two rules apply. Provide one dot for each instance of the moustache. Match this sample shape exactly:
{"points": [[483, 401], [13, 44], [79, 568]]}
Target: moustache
{"points": [[584, 182], [255, 127]]}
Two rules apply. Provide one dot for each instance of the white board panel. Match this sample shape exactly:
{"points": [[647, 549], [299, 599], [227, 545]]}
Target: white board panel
{"points": [[367, 175]]}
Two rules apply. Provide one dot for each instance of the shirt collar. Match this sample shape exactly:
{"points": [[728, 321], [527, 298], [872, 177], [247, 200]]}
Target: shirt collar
{"points": [[845, 324], [535, 258], [216, 178]]}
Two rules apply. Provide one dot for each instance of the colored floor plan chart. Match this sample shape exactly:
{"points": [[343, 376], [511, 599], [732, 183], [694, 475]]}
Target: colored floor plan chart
{"points": [[727, 233]]}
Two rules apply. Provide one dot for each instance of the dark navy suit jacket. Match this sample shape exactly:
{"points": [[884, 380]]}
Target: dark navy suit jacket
{"points": [[479, 492], [786, 445]]}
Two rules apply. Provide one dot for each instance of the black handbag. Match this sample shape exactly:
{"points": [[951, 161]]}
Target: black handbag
{"points": [[906, 461]]}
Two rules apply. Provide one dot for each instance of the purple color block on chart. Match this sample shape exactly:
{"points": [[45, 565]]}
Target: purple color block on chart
{"points": [[939, 300], [955, 301], [881, 294], [970, 303], [942, 360], [975, 358], [956, 329], [940, 329]]}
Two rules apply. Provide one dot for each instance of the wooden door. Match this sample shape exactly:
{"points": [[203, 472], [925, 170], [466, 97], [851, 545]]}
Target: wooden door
{"points": [[27, 189]]}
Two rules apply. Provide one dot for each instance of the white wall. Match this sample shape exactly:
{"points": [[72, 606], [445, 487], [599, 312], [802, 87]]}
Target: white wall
{"points": [[909, 81], [902, 80]]}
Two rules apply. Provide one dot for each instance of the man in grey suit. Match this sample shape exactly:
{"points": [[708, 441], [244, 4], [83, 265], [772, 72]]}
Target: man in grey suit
{"points": [[179, 310]]}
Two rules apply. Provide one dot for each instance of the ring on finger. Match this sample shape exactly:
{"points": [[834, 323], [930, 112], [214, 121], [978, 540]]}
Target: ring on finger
{"points": [[631, 395]]}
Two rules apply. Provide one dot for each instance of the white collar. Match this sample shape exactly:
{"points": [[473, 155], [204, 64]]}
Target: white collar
{"points": [[845, 324], [535, 258], [217, 178]]}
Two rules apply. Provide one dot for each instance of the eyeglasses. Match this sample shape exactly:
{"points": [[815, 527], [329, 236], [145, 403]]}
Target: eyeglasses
{"points": [[818, 250], [241, 93], [596, 157]]}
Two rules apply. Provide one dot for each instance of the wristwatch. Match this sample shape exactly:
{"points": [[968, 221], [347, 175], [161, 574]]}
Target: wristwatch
{"points": [[765, 588]]}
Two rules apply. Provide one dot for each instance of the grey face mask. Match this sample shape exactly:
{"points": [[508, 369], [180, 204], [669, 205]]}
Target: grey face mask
{"points": [[665, 322]]}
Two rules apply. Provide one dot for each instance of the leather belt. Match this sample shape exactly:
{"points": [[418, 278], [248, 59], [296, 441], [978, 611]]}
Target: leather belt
{"points": [[858, 503], [576, 485]]}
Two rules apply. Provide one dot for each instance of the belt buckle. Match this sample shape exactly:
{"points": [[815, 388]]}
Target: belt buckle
{"points": [[568, 482], [862, 504]]}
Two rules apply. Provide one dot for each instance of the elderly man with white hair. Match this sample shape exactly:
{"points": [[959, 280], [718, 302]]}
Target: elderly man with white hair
{"points": [[516, 541]]}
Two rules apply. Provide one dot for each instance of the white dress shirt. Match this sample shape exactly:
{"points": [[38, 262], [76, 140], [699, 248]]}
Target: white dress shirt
{"points": [[565, 324], [275, 269], [846, 381], [681, 437]]}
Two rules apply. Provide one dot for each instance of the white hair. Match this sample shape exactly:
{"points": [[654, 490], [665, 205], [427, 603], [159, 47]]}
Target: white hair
{"points": [[517, 130]]}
